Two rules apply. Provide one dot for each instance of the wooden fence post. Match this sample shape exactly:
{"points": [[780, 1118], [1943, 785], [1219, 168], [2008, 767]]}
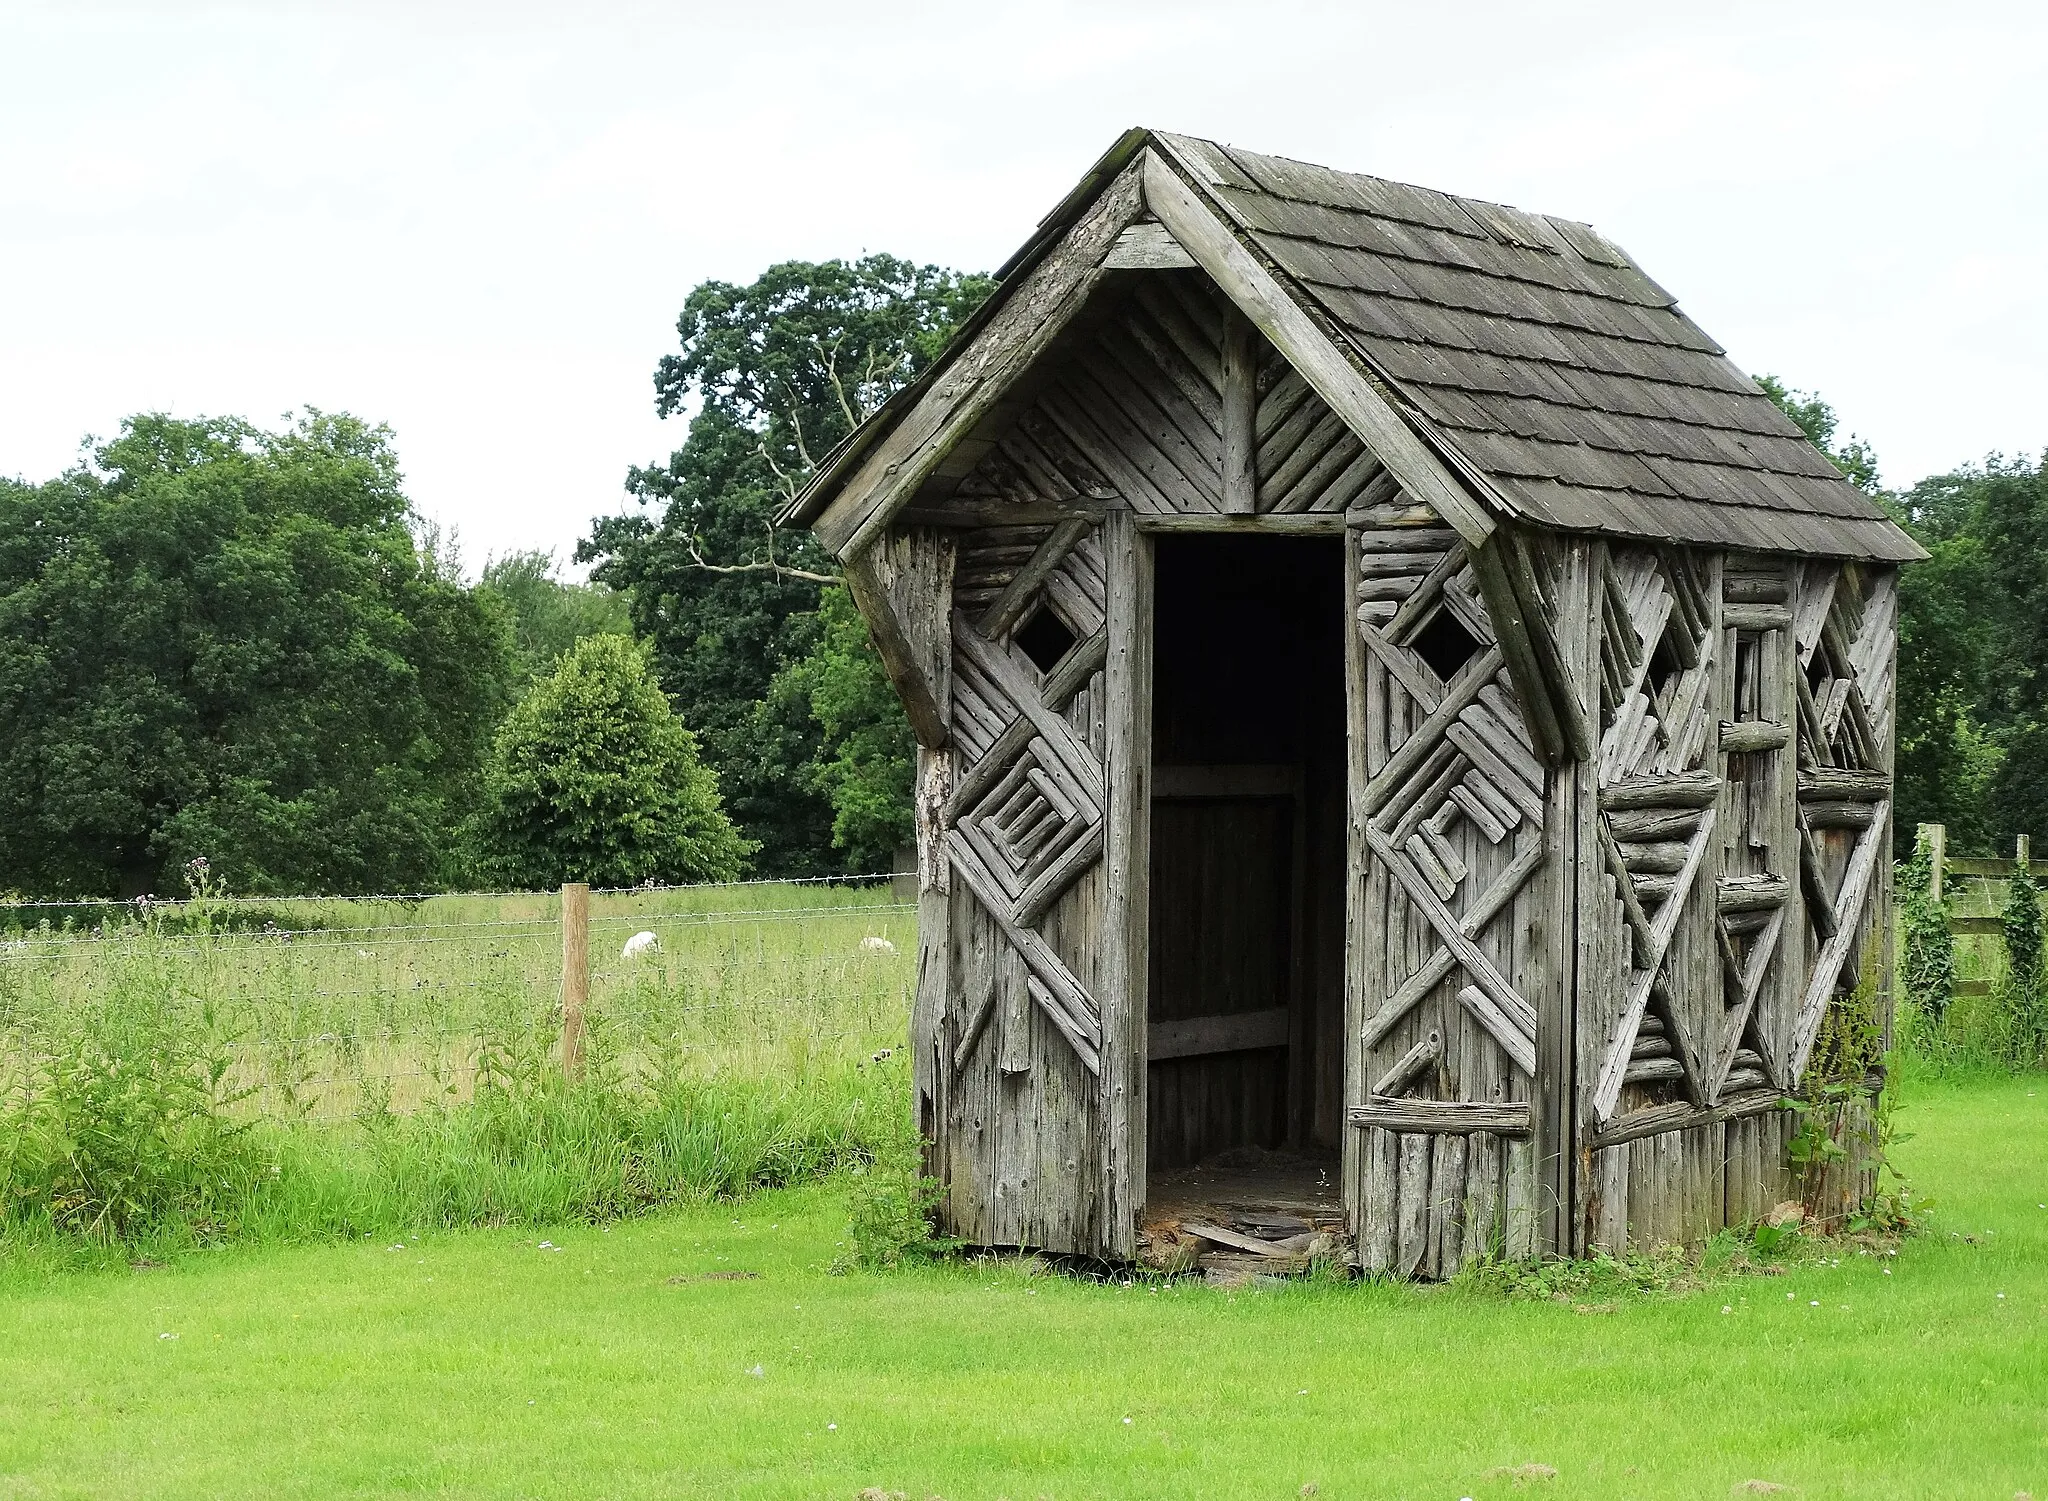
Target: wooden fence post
{"points": [[1936, 836], [575, 974]]}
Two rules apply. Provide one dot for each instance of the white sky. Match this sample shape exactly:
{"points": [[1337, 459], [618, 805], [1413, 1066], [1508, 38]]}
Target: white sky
{"points": [[477, 222]]}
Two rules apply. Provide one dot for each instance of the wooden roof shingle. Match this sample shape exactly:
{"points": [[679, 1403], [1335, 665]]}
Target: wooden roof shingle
{"points": [[1551, 361], [1531, 352]]}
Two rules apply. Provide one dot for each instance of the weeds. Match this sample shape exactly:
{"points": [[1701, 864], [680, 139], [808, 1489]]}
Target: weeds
{"points": [[893, 1204], [163, 1087]]}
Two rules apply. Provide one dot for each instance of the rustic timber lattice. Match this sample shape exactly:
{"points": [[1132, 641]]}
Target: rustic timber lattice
{"points": [[1530, 922], [1454, 798], [1026, 819]]}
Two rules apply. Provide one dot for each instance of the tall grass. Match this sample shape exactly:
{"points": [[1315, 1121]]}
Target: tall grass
{"points": [[368, 1068]]}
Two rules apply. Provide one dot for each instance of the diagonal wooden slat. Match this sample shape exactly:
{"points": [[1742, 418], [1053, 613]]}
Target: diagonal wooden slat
{"points": [[1520, 1046], [1426, 593], [1607, 1092], [1404, 665], [1063, 997], [1736, 1021], [1025, 696], [1848, 910], [1482, 969], [1473, 676], [1008, 607]]}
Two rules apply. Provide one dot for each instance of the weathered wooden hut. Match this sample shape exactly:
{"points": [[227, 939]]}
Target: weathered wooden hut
{"points": [[1392, 697]]}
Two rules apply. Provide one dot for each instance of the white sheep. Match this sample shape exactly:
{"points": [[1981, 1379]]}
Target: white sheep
{"points": [[876, 945], [639, 944]]}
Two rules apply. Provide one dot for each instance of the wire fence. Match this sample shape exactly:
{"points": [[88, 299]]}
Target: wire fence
{"points": [[331, 1008]]}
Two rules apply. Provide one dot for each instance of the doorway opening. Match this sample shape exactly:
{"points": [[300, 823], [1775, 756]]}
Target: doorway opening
{"points": [[1246, 991]]}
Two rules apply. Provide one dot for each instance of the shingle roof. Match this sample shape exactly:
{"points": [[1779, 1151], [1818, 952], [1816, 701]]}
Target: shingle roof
{"points": [[1547, 357]]}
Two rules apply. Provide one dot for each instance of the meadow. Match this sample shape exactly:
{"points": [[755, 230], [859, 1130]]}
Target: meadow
{"points": [[282, 1070], [444, 1271]]}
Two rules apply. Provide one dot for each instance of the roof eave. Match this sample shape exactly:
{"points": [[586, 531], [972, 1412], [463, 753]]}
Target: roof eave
{"points": [[831, 474]]}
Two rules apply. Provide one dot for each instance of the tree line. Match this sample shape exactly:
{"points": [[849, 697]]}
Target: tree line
{"points": [[239, 644]]}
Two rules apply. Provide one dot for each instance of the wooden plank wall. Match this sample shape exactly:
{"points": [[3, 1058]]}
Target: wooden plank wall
{"points": [[1799, 757], [1450, 938], [1020, 1115], [1131, 413]]}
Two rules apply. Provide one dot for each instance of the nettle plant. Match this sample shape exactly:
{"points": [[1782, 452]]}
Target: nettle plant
{"points": [[1927, 967], [2021, 926]]}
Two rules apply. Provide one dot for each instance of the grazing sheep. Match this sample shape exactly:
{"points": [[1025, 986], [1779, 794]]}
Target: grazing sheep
{"points": [[876, 945], [638, 944]]}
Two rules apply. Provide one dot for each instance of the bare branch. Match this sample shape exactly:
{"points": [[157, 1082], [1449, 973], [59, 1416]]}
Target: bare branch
{"points": [[831, 361], [767, 565]]}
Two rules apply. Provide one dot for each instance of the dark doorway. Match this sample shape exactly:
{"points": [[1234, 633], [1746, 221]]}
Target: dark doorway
{"points": [[1246, 993]]}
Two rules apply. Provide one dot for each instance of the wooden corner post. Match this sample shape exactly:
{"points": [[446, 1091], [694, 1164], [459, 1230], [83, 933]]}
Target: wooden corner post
{"points": [[575, 974]]}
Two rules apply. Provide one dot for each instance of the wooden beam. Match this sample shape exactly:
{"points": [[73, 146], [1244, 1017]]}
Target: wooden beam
{"points": [[1508, 1118], [1658, 1119], [1122, 960], [1309, 348], [1240, 413], [1289, 524], [971, 512], [1200, 1036], [923, 704], [1261, 780], [1033, 314]]}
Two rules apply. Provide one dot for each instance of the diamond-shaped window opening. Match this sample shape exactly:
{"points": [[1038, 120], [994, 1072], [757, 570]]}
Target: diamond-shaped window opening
{"points": [[1444, 643], [1044, 637]]}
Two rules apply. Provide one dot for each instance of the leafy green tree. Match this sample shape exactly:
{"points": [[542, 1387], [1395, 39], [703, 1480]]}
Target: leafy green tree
{"points": [[779, 371], [867, 756], [1973, 653], [548, 616], [1967, 756], [1818, 421], [224, 642], [594, 778]]}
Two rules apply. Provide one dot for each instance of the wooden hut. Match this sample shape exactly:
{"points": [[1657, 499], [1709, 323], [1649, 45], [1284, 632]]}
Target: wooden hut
{"points": [[1403, 719]]}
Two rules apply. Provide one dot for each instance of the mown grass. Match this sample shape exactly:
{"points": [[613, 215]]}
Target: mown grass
{"points": [[617, 1362]]}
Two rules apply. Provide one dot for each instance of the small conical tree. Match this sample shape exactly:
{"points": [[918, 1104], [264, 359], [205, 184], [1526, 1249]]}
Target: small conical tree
{"points": [[594, 778]]}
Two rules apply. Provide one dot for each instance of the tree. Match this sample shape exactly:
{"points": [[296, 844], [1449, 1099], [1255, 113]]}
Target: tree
{"points": [[1953, 741], [1973, 653], [548, 616], [867, 756], [1818, 421], [594, 778], [781, 369], [221, 641]]}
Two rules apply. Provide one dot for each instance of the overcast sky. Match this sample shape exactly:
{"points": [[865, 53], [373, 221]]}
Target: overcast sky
{"points": [[477, 222]]}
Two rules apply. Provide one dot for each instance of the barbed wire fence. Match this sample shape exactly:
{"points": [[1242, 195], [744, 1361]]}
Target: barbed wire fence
{"points": [[327, 1008]]}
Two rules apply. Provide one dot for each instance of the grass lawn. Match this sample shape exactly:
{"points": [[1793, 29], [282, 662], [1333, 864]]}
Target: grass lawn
{"points": [[611, 1364]]}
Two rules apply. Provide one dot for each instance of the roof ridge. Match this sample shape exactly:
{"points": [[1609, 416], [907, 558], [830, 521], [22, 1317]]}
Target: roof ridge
{"points": [[1478, 230]]}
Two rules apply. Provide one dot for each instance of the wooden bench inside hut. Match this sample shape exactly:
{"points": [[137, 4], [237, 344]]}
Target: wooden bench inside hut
{"points": [[1405, 732]]}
